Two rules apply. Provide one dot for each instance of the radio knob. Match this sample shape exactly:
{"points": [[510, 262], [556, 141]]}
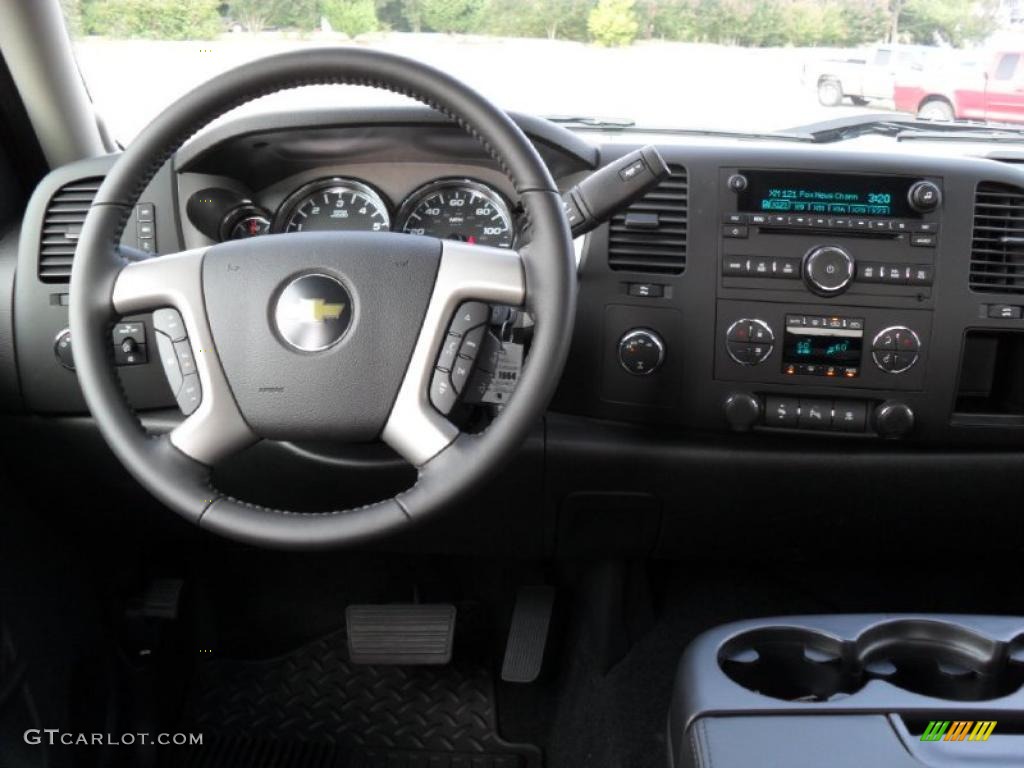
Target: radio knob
{"points": [[893, 419], [737, 182], [828, 270], [924, 196], [641, 351]]}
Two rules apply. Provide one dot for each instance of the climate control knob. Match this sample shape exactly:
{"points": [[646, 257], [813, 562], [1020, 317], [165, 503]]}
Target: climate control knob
{"points": [[641, 351], [828, 270], [896, 349], [749, 341]]}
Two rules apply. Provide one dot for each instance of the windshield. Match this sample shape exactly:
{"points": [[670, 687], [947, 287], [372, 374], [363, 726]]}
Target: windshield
{"points": [[738, 66]]}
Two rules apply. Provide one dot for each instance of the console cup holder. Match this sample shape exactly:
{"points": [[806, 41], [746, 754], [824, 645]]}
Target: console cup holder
{"points": [[928, 657], [791, 664]]}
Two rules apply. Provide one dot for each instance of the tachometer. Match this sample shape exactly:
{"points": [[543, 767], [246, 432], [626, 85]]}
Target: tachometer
{"points": [[459, 209], [334, 204]]}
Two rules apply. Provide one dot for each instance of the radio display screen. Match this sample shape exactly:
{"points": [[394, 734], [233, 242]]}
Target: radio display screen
{"points": [[821, 350], [826, 194]]}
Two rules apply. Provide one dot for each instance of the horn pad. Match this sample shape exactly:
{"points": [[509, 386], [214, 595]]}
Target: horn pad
{"points": [[314, 330]]}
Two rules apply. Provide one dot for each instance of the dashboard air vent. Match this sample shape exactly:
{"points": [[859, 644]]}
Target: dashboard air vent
{"points": [[62, 225], [997, 247], [650, 235]]}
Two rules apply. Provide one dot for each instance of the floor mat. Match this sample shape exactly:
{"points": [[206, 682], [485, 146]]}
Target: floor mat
{"points": [[313, 708]]}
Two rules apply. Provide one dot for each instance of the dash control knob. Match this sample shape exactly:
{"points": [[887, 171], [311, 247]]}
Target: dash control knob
{"points": [[641, 351], [896, 349], [924, 196], [893, 419], [828, 270], [749, 341]]}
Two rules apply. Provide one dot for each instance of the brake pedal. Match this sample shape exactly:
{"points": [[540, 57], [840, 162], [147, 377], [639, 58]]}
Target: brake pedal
{"points": [[528, 635], [400, 634]]}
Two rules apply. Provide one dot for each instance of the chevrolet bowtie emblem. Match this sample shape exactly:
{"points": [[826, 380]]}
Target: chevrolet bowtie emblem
{"points": [[313, 312], [317, 310]]}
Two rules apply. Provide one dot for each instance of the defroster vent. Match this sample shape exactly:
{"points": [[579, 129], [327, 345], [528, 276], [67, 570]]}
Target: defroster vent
{"points": [[62, 225], [997, 247], [650, 235]]}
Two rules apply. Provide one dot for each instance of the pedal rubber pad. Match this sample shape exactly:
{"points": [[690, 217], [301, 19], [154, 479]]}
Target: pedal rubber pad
{"points": [[400, 634], [528, 635]]}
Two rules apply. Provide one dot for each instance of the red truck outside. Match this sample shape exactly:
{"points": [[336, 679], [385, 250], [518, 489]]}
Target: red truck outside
{"points": [[992, 94]]}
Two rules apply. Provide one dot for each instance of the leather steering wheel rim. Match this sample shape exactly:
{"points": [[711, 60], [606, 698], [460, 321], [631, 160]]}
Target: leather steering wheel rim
{"points": [[102, 269]]}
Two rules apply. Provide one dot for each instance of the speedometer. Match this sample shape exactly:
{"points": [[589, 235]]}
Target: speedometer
{"points": [[334, 204], [459, 209]]}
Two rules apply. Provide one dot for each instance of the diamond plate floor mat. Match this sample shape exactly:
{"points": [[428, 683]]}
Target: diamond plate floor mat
{"points": [[313, 708]]}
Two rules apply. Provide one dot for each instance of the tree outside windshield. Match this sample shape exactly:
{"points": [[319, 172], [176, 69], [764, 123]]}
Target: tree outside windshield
{"points": [[733, 65]]}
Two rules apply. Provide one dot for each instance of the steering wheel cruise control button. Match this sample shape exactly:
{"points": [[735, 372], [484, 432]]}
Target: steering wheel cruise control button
{"points": [[460, 373], [449, 349], [190, 395], [470, 315], [169, 321], [471, 343]]}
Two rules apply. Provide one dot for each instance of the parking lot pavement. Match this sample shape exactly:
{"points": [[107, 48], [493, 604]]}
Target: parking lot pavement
{"points": [[654, 83]]}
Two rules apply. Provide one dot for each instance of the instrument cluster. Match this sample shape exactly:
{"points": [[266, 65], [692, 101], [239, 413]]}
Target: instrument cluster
{"points": [[449, 208]]}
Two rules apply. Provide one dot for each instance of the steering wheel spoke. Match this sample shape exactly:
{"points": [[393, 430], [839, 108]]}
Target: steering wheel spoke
{"points": [[415, 428], [215, 428]]}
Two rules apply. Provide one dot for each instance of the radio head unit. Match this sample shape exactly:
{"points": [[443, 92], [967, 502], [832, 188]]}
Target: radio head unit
{"points": [[827, 194]]}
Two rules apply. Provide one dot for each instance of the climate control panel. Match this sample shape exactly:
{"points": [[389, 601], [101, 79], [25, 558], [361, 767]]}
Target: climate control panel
{"points": [[818, 345]]}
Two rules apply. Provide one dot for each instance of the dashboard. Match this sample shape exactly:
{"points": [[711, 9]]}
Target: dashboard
{"points": [[783, 290]]}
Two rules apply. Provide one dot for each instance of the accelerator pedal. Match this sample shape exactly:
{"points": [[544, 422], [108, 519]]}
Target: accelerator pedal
{"points": [[528, 635], [400, 634]]}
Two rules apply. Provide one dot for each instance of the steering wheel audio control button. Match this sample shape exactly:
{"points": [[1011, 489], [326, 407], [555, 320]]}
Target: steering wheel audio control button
{"points": [[460, 373], [186, 361], [470, 315], [442, 393], [190, 395], [169, 361], [169, 321]]}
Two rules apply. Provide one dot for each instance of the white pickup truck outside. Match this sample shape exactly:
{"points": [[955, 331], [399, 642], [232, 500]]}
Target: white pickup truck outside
{"points": [[865, 75]]}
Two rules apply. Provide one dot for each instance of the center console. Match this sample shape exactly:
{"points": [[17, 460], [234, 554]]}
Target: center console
{"points": [[805, 292], [852, 691], [824, 277]]}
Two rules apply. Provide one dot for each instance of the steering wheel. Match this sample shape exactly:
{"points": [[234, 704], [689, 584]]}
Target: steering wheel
{"points": [[319, 335]]}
